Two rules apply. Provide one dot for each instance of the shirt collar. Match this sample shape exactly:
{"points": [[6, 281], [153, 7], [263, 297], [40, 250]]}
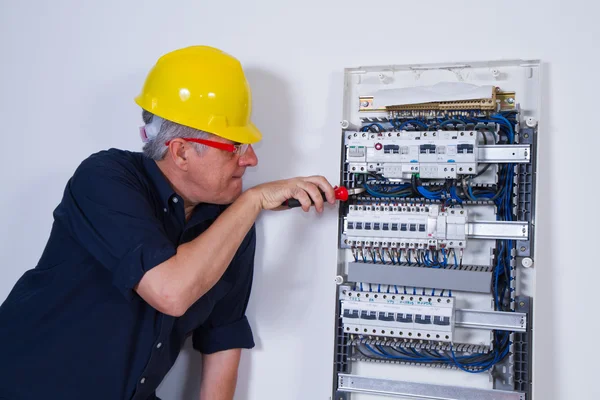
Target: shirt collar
{"points": [[165, 190], [201, 212]]}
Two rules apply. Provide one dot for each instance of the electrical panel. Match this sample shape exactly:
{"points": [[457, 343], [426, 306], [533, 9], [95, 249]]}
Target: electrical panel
{"points": [[436, 270]]}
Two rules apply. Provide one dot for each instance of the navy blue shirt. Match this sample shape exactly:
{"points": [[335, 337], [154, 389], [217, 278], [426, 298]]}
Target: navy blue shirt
{"points": [[74, 328]]}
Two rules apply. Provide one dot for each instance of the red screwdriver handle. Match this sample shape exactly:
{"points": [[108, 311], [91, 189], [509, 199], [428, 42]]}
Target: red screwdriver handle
{"points": [[341, 193]]}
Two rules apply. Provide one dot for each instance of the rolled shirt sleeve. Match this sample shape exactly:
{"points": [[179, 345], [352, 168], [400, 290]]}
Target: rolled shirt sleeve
{"points": [[227, 326], [109, 213]]}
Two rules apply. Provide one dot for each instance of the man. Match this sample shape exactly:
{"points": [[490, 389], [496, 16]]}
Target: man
{"points": [[148, 249]]}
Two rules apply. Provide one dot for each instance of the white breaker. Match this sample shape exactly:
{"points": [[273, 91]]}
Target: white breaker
{"points": [[406, 226], [398, 316], [398, 155]]}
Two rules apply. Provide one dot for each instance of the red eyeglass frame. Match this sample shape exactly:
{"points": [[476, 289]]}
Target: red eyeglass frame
{"points": [[232, 148]]}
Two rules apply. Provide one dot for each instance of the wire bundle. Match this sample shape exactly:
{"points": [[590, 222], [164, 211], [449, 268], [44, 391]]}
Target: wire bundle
{"points": [[420, 257], [470, 121], [473, 363]]}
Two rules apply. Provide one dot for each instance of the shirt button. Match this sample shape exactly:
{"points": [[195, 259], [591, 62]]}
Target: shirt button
{"points": [[165, 210], [143, 380], [158, 346], [175, 199]]}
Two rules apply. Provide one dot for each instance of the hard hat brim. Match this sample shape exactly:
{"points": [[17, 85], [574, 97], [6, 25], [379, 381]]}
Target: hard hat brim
{"points": [[248, 134]]}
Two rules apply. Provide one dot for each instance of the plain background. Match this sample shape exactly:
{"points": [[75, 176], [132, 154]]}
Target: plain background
{"points": [[69, 71]]}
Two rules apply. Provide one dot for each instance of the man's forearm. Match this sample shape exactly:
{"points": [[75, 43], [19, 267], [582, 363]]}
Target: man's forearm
{"points": [[173, 286], [219, 375]]}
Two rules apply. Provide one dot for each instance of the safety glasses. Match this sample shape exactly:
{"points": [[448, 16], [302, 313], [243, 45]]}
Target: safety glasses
{"points": [[238, 149]]}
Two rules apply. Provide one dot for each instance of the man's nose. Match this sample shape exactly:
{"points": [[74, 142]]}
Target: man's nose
{"points": [[249, 158]]}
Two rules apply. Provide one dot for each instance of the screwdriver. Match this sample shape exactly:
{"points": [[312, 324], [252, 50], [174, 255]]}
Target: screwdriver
{"points": [[341, 193]]}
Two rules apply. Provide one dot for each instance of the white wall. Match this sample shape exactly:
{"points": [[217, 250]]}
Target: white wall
{"points": [[69, 71]]}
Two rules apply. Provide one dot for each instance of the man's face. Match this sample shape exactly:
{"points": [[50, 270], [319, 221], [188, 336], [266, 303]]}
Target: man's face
{"points": [[215, 176]]}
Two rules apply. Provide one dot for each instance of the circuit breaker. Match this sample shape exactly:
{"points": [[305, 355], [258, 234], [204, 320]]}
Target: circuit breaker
{"points": [[436, 272]]}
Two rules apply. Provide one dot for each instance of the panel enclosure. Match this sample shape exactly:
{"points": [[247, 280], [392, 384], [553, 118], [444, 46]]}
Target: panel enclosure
{"points": [[436, 269]]}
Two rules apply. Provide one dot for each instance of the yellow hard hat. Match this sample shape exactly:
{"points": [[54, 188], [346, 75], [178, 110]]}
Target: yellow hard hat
{"points": [[203, 88]]}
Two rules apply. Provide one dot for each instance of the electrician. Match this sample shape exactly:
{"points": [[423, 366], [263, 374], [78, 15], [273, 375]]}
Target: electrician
{"points": [[149, 248]]}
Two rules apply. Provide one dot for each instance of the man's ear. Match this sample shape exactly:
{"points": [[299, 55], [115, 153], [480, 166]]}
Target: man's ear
{"points": [[178, 151]]}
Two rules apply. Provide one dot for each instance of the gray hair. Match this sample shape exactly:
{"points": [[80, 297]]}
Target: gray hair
{"points": [[169, 130]]}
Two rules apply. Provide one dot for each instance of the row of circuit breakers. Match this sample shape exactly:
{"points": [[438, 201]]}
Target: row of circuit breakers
{"points": [[401, 316], [439, 154], [433, 244], [405, 226]]}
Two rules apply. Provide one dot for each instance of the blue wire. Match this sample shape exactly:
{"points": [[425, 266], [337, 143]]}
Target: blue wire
{"points": [[379, 194], [508, 124], [454, 195], [430, 195], [412, 121], [455, 259], [366, 127], [451, 121], [416, 356], [445, 258]]}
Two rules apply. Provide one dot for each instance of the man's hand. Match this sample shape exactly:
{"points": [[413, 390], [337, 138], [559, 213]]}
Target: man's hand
{"points": [[272, 194], [219, 375]]}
